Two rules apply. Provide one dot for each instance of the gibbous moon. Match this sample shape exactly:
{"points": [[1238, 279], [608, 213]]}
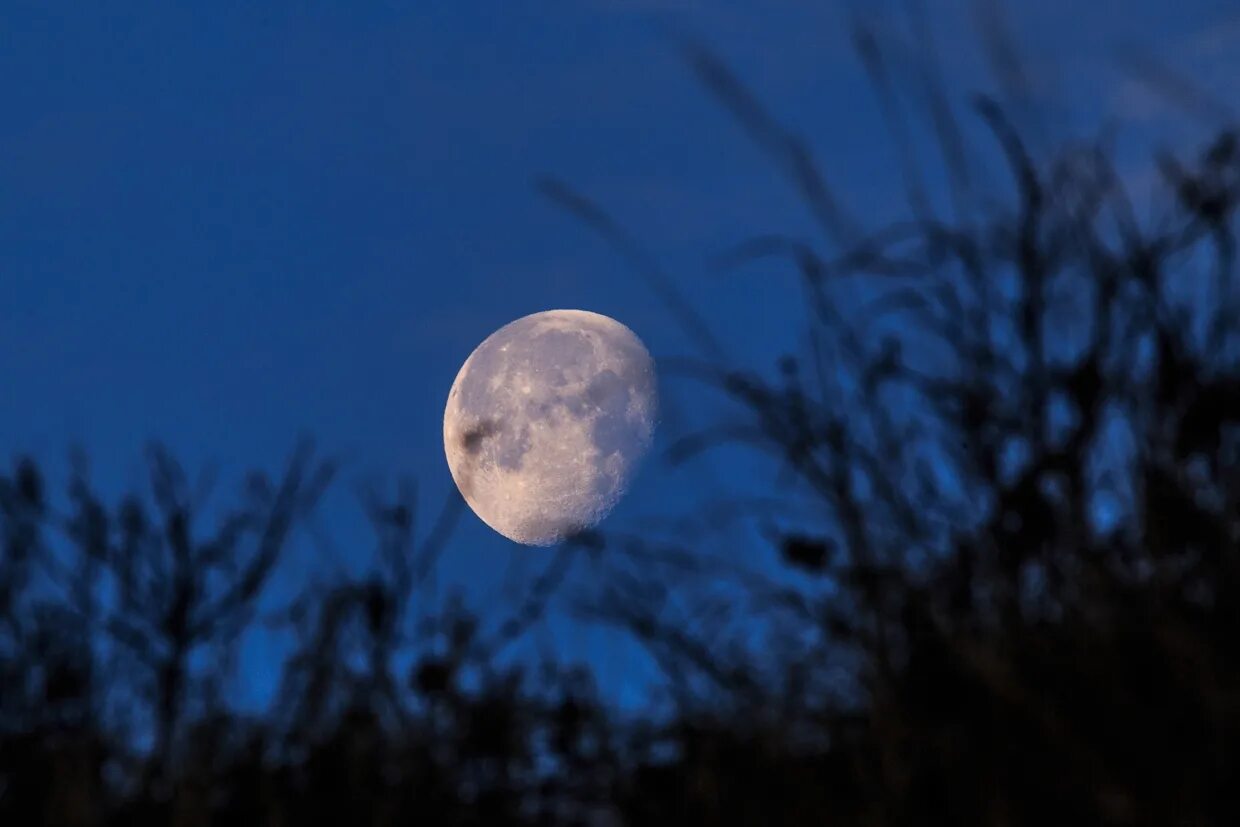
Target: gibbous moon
{"points": [[547, 421]]}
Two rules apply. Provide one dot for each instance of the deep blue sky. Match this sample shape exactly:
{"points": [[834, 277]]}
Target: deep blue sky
{"points": [[225, 224]]}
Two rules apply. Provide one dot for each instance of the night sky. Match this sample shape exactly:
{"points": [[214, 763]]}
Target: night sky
{"points": [[226, 224]]}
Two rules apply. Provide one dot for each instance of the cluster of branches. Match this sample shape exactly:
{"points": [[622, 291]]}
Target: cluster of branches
{"points": [[1008, 592], [123, 702], [1015, 431]]}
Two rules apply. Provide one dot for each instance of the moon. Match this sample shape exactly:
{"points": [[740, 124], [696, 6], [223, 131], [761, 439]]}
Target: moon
{"points": [[547, 421]]}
